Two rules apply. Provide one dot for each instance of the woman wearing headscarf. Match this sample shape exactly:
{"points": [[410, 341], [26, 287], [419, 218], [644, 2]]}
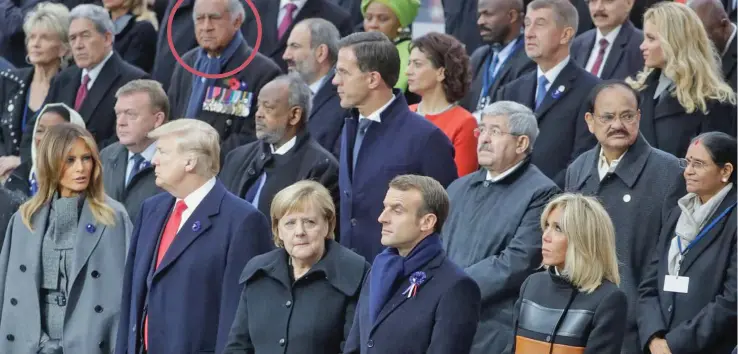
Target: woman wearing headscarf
{"points": [[23, 178], [63, 259], [135, 31], [575, 306], [683, 92], [687, 299], [394, 18], [23, 91]]}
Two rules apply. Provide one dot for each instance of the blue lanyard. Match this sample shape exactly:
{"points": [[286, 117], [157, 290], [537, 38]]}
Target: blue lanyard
{"points": [[488, 77], [25, 111], [704, 231]]}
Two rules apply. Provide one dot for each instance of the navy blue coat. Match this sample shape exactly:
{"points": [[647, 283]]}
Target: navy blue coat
{"points": [[326, 117], [193, 296], [404, 143], [440, 319]]}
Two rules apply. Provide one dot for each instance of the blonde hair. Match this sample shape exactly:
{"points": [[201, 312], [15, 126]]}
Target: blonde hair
{"points": [[52, 16], [299, 197], [590, 253], [692, 61], [50, 164], [196, 137], [141, 11]]}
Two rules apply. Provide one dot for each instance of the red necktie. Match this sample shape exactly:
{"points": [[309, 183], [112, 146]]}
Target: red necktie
{"points": [[600, 57], [286, 20], [81, 93], [170, 230]]}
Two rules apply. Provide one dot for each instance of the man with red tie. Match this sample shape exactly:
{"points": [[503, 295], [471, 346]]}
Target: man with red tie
{"points": [[188, 249]]}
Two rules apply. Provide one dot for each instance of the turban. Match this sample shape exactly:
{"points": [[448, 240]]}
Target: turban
{"points": [[405, 10]]}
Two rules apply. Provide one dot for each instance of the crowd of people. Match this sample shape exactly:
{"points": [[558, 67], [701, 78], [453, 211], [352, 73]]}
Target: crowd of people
{"points": [[548, 176]]}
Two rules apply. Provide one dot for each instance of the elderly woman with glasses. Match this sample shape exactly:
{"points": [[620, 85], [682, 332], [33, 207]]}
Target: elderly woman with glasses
{"points": [[301, 297], [688, 293]]}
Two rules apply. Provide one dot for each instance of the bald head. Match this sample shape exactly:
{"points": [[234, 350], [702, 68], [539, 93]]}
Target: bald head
{"points": [[715, 20]]}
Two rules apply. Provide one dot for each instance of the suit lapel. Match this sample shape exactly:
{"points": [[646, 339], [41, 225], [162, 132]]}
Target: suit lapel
{"points": [[153, 229], [713, 234], [528, 90], [324, 94], [349, 134], [104, 81], [581, 56], [729, 59], [209, 207], [565, 80], [505, 69], [618, 48], [35, 242], [89, 232], [119, 164]]}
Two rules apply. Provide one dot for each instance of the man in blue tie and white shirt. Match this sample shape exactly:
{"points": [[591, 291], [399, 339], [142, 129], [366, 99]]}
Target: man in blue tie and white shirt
{"points": [[142, 106]]}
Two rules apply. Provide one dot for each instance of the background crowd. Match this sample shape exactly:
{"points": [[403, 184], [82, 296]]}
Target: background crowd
{"points": [[547, 176]]}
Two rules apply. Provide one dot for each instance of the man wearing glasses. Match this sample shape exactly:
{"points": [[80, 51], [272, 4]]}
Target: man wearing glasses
{"points": [[493, 228], [638, 184]]}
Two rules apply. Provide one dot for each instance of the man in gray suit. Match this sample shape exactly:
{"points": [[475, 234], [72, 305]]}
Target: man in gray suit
{"points": [[142, 106], [637, 184]]}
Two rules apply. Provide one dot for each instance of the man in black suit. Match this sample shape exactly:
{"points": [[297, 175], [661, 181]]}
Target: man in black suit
{"points": [[502, 58], [226, 104], [722, 33], [285, 152], [312, 51], [557, 91], [278, 18], [89, 86], [128, 176], [611, 49]]}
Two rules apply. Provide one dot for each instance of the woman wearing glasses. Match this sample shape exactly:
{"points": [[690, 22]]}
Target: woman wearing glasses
{"points": [[688, 294]]}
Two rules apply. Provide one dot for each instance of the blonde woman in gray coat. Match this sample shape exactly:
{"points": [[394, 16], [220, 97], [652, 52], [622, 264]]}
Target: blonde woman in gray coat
{"points": [[62, 262]]}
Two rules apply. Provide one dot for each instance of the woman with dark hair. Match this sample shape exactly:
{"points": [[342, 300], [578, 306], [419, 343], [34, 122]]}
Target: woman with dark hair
{"points": [[439, 72], [688, 293], [23, 178], [62, 262]]}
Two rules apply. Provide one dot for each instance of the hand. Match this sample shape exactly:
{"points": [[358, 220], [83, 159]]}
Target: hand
{"points": [[8, 164], [659, 346]]}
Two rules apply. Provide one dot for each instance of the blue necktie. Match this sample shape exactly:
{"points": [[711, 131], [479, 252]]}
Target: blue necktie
{"points": [[541, 93], [137, 162], [364, 124], [252, 195]]}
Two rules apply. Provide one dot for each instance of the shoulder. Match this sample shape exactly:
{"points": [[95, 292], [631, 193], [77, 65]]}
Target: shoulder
{"points": [[610, 295], [143, 27], [510, 86], [665, 160], [130, 71], [534, 281], [479, 53], [262, 262], [535, 177], [582, 159], [584, 79], [457, 282], [464, 181], [265, 65], [117, 207], [584, 37], [323, 156], [244, 151], [111, 151], [350, 269], [237, 209]]}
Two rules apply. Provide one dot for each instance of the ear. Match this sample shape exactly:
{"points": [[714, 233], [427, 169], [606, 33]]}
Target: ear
{"points": [[108, 39], [375, 79], [191, 163], [159, 119], [726, 171], [523, 143], [295, 116], [589, 118], [513, 15], [321, 53], [238, 22], [441, 74], [428, 222], [567, 35]]}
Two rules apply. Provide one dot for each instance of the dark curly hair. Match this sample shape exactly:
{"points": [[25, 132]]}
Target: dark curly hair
{"points": [[447, 52]]}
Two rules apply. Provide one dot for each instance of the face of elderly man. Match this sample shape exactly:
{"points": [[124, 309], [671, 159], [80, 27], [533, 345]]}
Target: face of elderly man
{"points": [[170, 164], [299, 56], [215, 25], [615, 120], [89, 47], [543, 36], [274, 114], [497, 149]]}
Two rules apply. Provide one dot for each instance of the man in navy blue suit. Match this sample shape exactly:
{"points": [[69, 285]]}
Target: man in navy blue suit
{"points": [[381, 139], [188, 249], [415, 300]]}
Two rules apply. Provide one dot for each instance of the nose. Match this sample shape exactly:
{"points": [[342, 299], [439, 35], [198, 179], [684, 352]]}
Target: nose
{"points": [[479, 21], [155, 159], [642, 47], [546, 237], [79, 165], [287, 55], [336, 80], [299, 229], [383, 217]]}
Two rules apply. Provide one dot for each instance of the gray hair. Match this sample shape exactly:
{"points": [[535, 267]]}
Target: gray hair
{"points": [[299, 93], [235, 7], [97, 14], [158, 100], [565, 14], [323, 32], [520, 119]]}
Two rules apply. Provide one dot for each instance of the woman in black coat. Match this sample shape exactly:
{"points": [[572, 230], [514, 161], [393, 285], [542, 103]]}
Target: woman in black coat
{"points": [[576, 305], [688, 294], [301, 297], [135, 31], [683, 92]]}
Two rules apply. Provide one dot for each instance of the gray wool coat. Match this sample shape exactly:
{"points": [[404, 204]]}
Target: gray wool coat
{"points": [[93, 301], [638, 195]]}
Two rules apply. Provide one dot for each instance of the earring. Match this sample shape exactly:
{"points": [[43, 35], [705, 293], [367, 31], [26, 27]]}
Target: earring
{"points": [[725, 180], [28, 59]]}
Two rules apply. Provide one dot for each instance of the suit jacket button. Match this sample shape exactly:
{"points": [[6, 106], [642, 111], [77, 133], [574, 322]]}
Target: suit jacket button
{"points": [[95, 274], [229, 122], [13, 302], [10, 337], [101, 345], [22, 267], [353, 222], [281, 342], [98, 309], [370, 343]]}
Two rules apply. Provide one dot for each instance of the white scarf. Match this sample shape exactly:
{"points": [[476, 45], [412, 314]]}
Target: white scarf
{"points": [[692, 219]]}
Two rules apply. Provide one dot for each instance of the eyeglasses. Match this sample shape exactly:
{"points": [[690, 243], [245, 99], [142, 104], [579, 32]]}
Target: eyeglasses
{"points": [[496, 132], [625, 117], [697, 165]]}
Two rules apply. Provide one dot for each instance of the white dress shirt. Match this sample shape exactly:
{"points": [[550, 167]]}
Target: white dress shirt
{"points": [[503, 174], [283, 9], [730, 40], [147, 154], [285, 148], [194, 199], [315, 86], [504, 54], [552, 74], [95, 72], [376, 116], [603, 167], [596, 49]]}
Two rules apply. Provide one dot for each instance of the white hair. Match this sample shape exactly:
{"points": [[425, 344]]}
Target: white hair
{"points": [[196, 137], [520, 119]]}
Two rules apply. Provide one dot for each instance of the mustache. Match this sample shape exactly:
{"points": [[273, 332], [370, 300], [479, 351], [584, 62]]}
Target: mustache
{"points": [[599, 14], [616, 132], [484, 147]]}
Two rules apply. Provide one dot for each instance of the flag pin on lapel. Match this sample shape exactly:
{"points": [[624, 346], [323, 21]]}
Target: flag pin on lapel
{"points": [[196, 226]]}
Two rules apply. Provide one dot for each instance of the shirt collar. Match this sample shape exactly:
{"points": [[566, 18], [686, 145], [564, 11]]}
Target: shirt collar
{"points": [[552, 74], [376, 116], [148, 153], [94, 72], [610, 36], [507, 50], [315, 86], [502, 175], [285, 148], [730, 40], [298, 3], [613, 164], [196, 197]]}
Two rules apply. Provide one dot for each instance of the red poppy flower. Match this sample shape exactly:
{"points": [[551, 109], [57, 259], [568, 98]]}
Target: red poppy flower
{"points": [[234, 84]]}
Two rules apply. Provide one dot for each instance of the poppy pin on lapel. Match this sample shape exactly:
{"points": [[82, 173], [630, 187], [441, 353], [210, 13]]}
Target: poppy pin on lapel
{"points": [[416, 279]]}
